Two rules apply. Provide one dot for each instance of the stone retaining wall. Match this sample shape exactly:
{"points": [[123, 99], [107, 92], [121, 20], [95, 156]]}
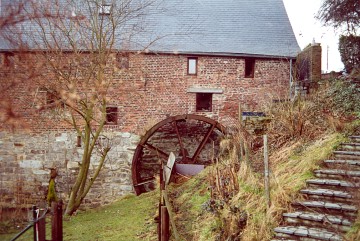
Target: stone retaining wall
{"points": [[26, 159]]}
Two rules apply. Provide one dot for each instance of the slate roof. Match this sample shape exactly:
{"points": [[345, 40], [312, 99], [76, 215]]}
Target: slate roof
{"points": [[217, 27], [250, 27]]}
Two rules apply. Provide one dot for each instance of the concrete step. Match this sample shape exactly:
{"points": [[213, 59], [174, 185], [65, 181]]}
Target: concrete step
{"points": [[333, 222], [332, 183], [284, 239], [350, 146], [347, 155], [353, 165], [337, 174], [306, 233], [331, 208], [355, 138], [327, 194]]}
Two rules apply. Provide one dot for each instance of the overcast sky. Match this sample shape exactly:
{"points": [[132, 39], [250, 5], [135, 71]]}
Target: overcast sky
{"points": [[301, 14]]}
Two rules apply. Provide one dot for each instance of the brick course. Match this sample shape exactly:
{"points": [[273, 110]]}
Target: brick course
{"points": [[155, 87]]}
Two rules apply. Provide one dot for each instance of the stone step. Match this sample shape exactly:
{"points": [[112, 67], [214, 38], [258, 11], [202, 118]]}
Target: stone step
{"points": [[336, 208], [343, 164], [336, 222], [337, 173], [350, 146], [332, 182], [322, 192], [347, 155], [285, 239], [355, 138], [306, 233]]}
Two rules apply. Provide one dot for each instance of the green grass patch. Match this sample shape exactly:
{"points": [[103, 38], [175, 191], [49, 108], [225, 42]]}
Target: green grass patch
{"points": [[130, 218]]}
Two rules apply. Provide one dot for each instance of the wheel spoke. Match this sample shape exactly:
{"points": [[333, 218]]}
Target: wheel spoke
{"points": [[202, 144], [156, 151], [141, 174], [183, 152]]}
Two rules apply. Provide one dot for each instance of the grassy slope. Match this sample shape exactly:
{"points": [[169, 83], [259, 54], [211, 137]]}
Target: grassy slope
{"points": [[130, 218], [290, 166]]}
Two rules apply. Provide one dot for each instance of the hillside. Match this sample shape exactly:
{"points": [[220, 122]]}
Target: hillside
{"points": [[227, 201]]}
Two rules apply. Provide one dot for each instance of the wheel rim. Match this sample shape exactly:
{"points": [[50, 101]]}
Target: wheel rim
{"points": [[187, 136]]}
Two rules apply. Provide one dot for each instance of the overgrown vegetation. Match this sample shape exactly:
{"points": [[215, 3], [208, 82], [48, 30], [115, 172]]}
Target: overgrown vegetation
{"points": [[349, 47], [245, 214], [344, 15], [302, 133]]}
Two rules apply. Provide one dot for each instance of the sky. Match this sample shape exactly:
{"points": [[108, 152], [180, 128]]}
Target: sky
{"points": [[306, 28]]}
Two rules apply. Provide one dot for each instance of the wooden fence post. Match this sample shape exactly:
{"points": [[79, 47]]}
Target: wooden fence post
{"points": [[164, 224], [42, 229], [56, 224], [266, 169], [34, 214], [60, 219]]}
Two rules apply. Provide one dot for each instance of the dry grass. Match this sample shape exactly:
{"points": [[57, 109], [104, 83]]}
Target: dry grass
{"points": [[204, 213], [354, 233], [289, 172]]}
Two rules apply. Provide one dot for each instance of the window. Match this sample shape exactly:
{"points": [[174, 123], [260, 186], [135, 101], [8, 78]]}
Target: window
{"points": [[122, 60], [111, 115], [9, 60], [249, 67], [105, 9], [203, 101], [53, 99], [192, 66]]}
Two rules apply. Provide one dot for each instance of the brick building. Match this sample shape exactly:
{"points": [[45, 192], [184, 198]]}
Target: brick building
{"points": [[209, 58]]}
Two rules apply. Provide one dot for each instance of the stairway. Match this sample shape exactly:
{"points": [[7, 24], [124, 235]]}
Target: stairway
{"points": [[329, 208]]}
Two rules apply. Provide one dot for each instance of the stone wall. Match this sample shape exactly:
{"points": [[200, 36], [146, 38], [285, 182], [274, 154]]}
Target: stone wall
{"points": [[26, 159], [155, 87]]}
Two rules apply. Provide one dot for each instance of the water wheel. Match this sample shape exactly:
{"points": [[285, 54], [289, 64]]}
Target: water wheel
{"points": [[193, 139]]}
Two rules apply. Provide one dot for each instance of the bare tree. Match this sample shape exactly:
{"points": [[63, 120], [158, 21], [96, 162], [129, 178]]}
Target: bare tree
{"points": [[79, 49], [339, 13], [12, 14]]}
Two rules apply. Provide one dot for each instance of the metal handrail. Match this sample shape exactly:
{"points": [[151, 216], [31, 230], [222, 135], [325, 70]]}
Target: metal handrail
{"points": [[31, 225]]}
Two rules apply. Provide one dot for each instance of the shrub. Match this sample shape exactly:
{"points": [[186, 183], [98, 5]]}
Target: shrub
{"points": [[349, 47]]}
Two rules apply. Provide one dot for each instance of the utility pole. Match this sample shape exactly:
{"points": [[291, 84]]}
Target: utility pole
{"points": [[327, 58]]}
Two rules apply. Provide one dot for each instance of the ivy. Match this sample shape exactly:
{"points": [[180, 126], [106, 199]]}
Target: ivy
{"points": [[349, 47]]}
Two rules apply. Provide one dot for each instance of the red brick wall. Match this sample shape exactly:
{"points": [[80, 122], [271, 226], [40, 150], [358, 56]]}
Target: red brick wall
{"points": [[312, 56], [156, 86], [163, 90]]}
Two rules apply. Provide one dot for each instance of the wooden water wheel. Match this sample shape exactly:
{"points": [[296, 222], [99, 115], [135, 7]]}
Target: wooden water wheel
{"points": [[193, 139]]}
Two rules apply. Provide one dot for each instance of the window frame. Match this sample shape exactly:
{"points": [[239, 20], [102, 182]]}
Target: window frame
{"points": [[53, 99], [105, 9], [189, 59], [123, 60], [249, 70], [111, 117], [8, 59], [200, 108]]}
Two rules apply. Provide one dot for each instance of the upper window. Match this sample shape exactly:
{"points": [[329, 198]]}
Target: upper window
{"points": [[249, 67], [122, 60], [105, 9], [53, 99], [192, 66], [9, 60], [111, 115], [204, 102]]}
